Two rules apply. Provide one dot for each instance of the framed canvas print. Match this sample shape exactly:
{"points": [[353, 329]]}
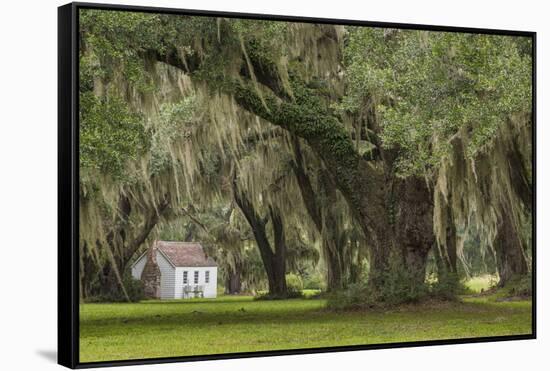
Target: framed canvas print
{"points": [[238, 185]]}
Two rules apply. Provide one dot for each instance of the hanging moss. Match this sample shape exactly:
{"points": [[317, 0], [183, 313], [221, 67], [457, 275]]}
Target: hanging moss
{"points": [[201, 99]]}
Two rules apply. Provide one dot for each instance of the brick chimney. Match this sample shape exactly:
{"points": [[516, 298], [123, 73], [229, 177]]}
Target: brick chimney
{"points": [[151, 274]]}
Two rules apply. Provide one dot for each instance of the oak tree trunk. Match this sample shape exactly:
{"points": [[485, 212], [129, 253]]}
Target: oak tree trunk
{"points": [[402, 237], [510, 256], [233, 283], [319, 207], [274, 260]]}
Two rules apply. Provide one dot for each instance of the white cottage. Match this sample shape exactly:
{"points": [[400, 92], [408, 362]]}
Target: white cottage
{"points": [[175, 270]]}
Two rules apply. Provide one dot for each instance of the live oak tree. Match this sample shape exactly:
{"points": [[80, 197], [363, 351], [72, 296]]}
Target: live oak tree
{"points": [[404, 126]]}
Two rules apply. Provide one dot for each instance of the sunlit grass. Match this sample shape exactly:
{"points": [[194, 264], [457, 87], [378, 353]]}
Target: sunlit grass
{"points": [[477, 284]]}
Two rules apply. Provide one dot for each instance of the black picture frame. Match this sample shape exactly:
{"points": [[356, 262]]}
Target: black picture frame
{"points": [[68, 176]]}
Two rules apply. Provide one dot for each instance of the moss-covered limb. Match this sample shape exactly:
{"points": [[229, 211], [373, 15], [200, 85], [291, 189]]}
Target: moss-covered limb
{"points": [[306, 117], [265, 70], [170, 56], [354, 177], [305, 185], [151, 222]]}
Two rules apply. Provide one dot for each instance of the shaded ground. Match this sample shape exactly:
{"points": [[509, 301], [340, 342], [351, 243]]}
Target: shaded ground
{"points": [[238, 324]]}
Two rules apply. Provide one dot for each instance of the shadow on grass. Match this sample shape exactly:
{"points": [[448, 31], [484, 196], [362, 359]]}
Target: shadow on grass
{"points": [[204, 317], [236, 299], [270, 313]]}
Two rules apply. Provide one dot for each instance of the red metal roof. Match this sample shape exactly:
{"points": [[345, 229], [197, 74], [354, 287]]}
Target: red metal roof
{"points": [[185, 254]]}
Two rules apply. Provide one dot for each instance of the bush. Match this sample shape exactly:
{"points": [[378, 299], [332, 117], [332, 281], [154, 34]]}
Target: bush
{"points": [[314, 282], [447, 287], [398, 288], [134, 290], [294, 290], [519, 287], [294, 283]]}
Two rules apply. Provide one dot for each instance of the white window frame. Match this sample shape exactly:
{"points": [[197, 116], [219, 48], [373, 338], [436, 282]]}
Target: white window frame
{"points": [[185, 278], [196, 278], [206, 276]]}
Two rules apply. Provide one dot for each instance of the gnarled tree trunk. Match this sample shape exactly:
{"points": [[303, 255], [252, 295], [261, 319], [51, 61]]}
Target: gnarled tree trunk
{"points": [[278, 286], [324, 218], [510, 255], [403, 237], [274, 261], [233, 282]]}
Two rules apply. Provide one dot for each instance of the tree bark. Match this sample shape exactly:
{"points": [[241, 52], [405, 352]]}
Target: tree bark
{"points": [[274, 261], [233, 282], [445, 252], [415, 225], [335, 279], [450, 246], [279, 258], [335, 248], [508, 246], [402, 237], [323, 217]]}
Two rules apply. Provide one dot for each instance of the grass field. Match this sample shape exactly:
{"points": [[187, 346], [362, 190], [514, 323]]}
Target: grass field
{"points": [[153, 329]]}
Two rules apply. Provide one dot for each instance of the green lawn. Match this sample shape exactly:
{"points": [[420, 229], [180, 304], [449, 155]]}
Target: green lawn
{"points": [[238, 324]]}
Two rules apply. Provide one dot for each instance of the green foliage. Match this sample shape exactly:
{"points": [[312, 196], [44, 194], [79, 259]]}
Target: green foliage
{"points": [[125, 42], [518, 287], [134, 289], [294, 283], [447, 286], [110, 134], [428, 85], [175, 121], [269, 33], [398, 288], [114, 40], [314, 281]]}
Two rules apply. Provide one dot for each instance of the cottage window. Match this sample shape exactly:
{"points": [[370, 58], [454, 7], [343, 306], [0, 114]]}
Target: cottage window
{"points": [[196, 278], [185, 280], [207, 277]]}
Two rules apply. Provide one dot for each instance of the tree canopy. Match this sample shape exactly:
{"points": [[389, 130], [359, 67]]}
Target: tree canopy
{"points": [[293, 146]]}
